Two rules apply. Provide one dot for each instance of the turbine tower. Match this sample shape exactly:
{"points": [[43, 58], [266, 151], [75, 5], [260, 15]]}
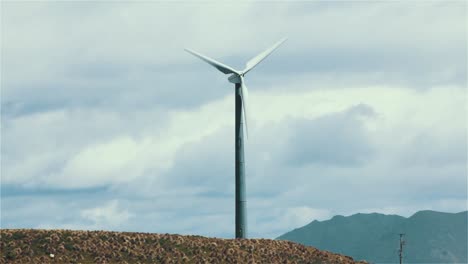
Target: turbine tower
{"points": [[237, 77]]}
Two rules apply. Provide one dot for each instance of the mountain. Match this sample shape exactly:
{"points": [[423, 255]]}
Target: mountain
{"points": [[66, 246], [431, 237]]}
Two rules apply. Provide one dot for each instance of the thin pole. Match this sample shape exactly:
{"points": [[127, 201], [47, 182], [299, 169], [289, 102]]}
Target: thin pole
{"points": [[241, 201], [400, 252]]}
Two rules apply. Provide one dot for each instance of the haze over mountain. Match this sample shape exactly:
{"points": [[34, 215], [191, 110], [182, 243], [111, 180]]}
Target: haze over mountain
{"points": [[431, 237]]}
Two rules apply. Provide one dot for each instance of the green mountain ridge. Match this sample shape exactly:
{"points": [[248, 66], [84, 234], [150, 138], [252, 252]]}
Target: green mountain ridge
{"points": [[431, 237]]}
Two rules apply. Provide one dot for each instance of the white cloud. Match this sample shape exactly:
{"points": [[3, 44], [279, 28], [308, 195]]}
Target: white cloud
{"points": [[124, 153], [109, 215], [102, 164], [130, 35], [302, 215]]}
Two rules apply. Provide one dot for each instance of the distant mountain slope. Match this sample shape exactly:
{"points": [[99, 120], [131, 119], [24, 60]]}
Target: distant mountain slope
{"points": [[431, 237], [65, 246]]}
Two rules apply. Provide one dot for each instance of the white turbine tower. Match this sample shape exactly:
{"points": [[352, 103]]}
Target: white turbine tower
{"points": [[237, 77]]}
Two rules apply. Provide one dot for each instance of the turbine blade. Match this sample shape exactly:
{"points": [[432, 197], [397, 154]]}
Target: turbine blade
{"points": [[257, 59], [244, 97], [218, 65]]}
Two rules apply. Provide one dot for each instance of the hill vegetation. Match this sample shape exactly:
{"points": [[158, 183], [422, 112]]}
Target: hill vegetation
{"points": [[65, 246]]}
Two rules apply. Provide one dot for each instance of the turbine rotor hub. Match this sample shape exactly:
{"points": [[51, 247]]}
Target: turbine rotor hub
{"points": [[235, 78]]}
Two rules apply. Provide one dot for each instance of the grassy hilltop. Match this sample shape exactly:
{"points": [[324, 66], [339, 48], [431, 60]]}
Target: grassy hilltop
{"points": [[35, 246]]}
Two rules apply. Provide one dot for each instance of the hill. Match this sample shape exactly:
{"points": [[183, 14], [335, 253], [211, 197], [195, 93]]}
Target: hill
{"points": [[36, 246], [431, 237]]}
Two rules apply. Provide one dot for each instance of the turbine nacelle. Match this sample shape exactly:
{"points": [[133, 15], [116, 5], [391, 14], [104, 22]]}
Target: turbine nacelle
{"points": [[229, 70], [237, 77]]}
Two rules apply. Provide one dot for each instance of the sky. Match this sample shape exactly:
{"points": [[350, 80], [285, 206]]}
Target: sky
{"points": [[106, 123]]}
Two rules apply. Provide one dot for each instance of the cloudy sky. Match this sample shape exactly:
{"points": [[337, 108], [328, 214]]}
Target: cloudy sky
{"points": [[106, 123]]}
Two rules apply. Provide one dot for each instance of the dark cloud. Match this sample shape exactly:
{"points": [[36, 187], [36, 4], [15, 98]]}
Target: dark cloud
{"points": [[335, 139], [121, 89], [48, 209], [425, 149], [207, 164], [8, 190], [363, 67]]}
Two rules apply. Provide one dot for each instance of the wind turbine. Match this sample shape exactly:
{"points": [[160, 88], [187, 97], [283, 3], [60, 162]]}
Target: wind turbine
{"points": [[237, 77]]}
